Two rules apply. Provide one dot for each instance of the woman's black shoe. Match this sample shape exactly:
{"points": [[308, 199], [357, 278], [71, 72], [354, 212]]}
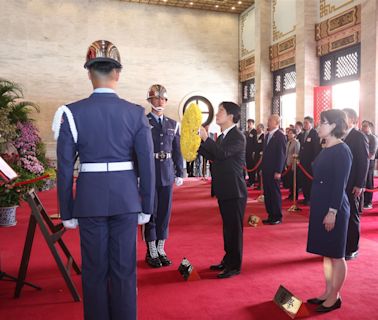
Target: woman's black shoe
{"points": [[324, 309], [315, 301]]}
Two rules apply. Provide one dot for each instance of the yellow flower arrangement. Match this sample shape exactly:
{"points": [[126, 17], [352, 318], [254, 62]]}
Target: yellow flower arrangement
{"points": [[190, 140]]}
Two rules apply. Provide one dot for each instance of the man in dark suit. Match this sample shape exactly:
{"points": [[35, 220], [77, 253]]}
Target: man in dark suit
{"points": [[368, 129], [258, 152], [250, 136], [310, 148], [228, 156], [358, 144], [107, 133], [299, 130], [273, 163]]}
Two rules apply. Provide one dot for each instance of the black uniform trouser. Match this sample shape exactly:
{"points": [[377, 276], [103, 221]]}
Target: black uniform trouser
{"points": [[232, 212], [353, 236], [158, 227], [249, 164], [189, 168], [108, 250], [306, 183], [272, 196], [368, 196]]}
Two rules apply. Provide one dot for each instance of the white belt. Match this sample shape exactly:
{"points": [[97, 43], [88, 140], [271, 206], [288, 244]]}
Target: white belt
{"points": [[106, 166]]}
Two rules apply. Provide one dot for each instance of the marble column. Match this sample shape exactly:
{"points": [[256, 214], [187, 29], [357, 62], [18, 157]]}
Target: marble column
{"points": [[369, 63], [306, 61], [263, 76]]}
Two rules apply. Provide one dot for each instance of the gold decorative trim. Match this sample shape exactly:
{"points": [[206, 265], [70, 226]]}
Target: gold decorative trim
{"points": [[339, 43], [247, 68], [282, 61], [276, 33], [287, 62], [245, 63], [326, 9], [282, 47], [243, 51], [247, 76], [339, 32], [344, 20]]}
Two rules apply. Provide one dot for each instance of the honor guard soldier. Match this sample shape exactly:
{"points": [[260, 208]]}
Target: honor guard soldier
{"points": [[107, 133], [168, 169]]}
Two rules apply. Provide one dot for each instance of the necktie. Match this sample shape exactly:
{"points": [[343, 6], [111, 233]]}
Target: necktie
{"points": [[220, 139], [306, 135], [269, 137], [160, 123]]}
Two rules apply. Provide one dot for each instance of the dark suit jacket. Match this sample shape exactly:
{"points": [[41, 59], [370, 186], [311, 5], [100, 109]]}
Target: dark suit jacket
{"points": [[358, 144], [259, 146], [309, 148], [250, 137], [274, 153], [227, 168]]}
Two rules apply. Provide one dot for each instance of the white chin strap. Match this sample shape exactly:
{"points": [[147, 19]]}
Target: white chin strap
{"points": [[158, 109]]}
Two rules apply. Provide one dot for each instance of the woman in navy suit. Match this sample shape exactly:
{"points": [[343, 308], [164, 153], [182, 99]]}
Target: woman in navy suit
{"points": [[329, 213]]}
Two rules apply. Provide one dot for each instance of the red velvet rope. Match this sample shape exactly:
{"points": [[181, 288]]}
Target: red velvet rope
{"points": [[255, 167], [305, 172], [21, 183], [286, 171]]}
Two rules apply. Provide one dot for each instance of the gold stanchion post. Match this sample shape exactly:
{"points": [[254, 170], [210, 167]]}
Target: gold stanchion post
{"points": [[294, 207]]}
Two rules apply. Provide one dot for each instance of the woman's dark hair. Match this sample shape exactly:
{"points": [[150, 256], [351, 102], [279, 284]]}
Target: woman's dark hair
{"points": [[292, 130], [337, 117], [233, 109]]}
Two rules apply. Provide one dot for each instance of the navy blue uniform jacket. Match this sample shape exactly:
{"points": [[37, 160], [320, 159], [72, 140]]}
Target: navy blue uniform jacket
{"points": [[166, 138], [110, 129]]}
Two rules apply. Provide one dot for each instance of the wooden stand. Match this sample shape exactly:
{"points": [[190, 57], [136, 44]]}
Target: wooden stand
{"points": [[52, 233], [7, 277]]}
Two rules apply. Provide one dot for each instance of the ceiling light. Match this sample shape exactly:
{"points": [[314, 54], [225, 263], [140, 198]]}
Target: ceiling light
{"points": [[233, 8], [216, 6], [239, 2], [191, 3]]}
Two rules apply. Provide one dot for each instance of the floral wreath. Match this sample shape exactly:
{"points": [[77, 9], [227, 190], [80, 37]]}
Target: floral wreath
{"points": [[190, 140]]}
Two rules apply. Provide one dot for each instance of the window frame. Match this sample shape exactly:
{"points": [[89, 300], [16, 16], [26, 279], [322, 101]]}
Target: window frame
{"points": [[333, 56], [281, 73]]}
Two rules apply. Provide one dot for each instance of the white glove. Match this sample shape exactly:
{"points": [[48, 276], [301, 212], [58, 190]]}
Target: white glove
{"points": [[143, 218], [179, 181], [71, 224]]}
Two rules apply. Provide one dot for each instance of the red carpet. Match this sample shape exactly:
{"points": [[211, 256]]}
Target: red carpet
{"points": [[273, 255]]}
